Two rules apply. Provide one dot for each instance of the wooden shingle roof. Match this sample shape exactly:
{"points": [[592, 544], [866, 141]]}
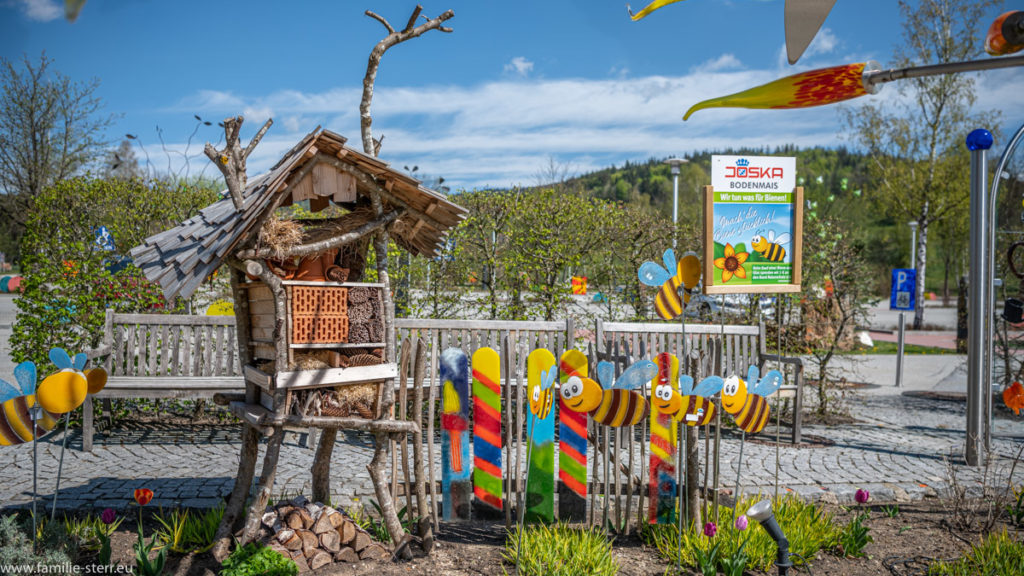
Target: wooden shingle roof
{"points": [[180, 259]]}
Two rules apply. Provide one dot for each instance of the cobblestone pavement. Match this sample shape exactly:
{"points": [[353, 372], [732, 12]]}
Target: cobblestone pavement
{"points": [[897, 449]]}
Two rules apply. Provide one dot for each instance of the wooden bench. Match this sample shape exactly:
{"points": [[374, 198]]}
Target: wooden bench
{"points": [[155, 356], [723, 349]]}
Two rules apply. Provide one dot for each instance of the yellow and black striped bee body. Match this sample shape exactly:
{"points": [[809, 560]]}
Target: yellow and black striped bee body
{"points": [[671, 277], [697, 410], [620, 407], [770, 248], [16, 423], [753, 416], [749, 408]]}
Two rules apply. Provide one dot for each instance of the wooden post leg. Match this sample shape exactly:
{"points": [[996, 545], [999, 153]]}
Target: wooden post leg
{"points": [[87, 424], [259, 501], [232, 513], [108, 411], [322, 466], [383, 491]]}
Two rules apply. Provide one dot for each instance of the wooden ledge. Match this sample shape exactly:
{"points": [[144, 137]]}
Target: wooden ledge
{"points": [[260, 418]]}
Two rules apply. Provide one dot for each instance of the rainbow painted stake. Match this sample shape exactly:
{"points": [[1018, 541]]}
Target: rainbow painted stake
{"points": [[572, 441], [455, 469], [749, 407], [487, 433], [613, 402]]}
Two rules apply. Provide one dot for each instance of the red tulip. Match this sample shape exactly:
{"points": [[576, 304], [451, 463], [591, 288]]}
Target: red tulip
{"points": [[143, 496]]}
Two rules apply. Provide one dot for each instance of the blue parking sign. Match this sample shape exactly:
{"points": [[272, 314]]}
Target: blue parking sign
{"points": [[904, 289]]}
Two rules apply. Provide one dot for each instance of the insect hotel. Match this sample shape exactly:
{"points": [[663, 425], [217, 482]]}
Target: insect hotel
{"points": [[316, 342]]}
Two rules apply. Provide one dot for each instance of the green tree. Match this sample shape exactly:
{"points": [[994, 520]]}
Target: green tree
{"points": [[915, 143], [837, 288], [550, 235], [50, 128], [484, 233], [68, 278]]}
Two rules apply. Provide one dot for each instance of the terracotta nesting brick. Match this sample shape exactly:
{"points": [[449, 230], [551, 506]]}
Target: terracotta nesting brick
{"points": [[319, 301]]}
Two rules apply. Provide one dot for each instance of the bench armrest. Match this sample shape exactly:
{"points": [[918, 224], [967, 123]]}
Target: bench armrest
{"points": [[98, 352], [798, 362]]}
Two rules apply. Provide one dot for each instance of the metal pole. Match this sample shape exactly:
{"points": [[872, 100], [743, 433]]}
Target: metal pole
{"points": [[872, 78], [913, 247], [978, 142], [989, 357], [675, 204], [899, 350]]}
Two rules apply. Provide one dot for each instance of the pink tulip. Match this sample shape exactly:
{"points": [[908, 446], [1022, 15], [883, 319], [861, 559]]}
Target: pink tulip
{"points": [[742, 523], [710, 529]]}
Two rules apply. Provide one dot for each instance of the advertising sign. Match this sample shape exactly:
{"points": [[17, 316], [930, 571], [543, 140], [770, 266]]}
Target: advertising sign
{"points": [[904, 289], [753, 226]]}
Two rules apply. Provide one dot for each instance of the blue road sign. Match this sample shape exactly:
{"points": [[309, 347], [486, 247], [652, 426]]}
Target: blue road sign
{"points": [[904, 289]]}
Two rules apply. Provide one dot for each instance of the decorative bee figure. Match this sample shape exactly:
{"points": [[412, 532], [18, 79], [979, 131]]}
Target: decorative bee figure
{"points": [[692, 405], [749, 408], [16, 425], [687, 274], [771, 248], [613, 402], [542, 397]]}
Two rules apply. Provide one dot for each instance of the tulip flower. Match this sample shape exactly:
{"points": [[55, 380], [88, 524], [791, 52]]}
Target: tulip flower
{"points": [[710, 529], [862, 496], [742, 522]]}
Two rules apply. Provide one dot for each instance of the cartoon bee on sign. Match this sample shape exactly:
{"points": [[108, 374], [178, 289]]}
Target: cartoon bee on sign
{"points": [[612, 402], [749, 407], [687, 274], [771, 248], [542, 398], [693, 405]]}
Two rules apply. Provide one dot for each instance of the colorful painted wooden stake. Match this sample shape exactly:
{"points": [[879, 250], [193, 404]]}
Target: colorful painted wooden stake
{"points": [[664, 442], [572, 441], [455, 468], [487, 434], [540, 481]]}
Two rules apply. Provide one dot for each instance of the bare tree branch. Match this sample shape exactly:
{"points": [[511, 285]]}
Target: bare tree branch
{"points": [[393, 37], [230, 160]]}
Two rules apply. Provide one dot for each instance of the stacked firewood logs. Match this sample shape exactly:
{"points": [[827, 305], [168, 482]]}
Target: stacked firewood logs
{"points": [[315, 535]]}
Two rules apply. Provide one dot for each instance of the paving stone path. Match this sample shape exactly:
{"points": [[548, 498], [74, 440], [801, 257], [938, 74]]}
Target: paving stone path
{"points": [[897, 449]]}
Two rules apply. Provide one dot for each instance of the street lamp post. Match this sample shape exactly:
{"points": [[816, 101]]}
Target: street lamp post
{"points": [[675, 163]]}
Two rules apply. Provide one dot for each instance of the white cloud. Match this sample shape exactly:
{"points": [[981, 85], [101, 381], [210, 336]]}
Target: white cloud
{"points": [[723, 62], [824, 43], [41, 10], [502, 133], [520, 66]]}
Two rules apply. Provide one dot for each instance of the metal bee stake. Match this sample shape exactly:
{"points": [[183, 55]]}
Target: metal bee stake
{"points": [[522, 510], [60, 466], [35, 413], [739, 467]]}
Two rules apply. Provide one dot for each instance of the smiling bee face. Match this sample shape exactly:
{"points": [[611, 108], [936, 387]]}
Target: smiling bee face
{"points": [[666, 400], [734, 394], [581, 394]]}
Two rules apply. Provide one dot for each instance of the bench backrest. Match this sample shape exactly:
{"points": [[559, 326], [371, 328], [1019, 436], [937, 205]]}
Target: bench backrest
{"points": [[523, 338], [159, 345], [741, 346]]}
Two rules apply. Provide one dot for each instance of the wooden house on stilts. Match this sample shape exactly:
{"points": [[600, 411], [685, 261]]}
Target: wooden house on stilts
{"points": [[317, 345]]}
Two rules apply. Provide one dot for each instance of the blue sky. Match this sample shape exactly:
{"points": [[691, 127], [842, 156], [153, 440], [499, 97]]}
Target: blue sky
{"points": [[518, 84]]}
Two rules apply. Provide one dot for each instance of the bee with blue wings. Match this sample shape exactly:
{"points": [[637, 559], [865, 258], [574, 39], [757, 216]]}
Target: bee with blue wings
{"points": [[770, 247], [686, 274], [692, 405], [58, 393], [749, 406], [613, 402]]}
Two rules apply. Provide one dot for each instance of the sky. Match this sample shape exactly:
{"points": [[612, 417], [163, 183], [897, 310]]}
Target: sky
{"points": [[517, 88]]}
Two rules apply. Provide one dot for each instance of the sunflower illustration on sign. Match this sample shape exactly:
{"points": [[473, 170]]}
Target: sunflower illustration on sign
{"points": [[731, 264]]}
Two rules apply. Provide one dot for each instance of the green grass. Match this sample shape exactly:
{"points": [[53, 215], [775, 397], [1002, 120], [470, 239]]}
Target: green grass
{"points": [[891, 348], [808, 529], [558, 550], [256, 560], [997, 554]]}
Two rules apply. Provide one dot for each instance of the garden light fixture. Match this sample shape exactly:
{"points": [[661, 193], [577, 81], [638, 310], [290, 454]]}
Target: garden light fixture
{"points": [[762, 512]]}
